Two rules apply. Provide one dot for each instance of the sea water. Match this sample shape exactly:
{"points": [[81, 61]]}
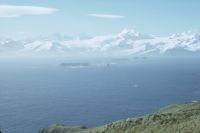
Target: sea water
{"points": [[36, 94]]}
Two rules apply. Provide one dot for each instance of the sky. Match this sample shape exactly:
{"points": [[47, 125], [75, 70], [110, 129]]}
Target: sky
{"points": [[97, 17]]}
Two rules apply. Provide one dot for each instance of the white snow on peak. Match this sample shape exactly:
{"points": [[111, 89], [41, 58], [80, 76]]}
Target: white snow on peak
{"points": [[127, 42]]}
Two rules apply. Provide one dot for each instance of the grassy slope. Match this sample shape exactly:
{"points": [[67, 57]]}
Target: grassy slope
{"points": [[184, 118]]}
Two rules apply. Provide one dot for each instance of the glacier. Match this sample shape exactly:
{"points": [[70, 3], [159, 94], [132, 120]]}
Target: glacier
{"points": [[127, 42]]}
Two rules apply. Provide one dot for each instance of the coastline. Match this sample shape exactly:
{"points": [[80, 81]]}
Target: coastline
{"points": [[178, 118]]}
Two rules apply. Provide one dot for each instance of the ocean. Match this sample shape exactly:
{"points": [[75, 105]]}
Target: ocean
{"points": [[37, 93]]}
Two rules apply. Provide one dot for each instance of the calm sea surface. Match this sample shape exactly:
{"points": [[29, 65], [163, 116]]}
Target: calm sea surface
{"points": [[37, 94]]}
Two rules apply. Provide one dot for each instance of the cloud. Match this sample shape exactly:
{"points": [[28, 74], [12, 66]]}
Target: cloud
{"points": [[7, 11], [109, 16]]}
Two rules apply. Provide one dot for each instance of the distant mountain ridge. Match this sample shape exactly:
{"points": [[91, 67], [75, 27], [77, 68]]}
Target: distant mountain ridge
{"points": [[127, 42]]}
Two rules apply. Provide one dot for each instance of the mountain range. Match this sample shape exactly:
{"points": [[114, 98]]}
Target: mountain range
{"points": [[127, 42]]}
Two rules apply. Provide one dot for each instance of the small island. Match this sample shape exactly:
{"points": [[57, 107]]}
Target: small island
{"points": [[75, 64]]}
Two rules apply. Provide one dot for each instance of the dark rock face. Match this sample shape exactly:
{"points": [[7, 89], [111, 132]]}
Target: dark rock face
{"points": [[182, 118]]}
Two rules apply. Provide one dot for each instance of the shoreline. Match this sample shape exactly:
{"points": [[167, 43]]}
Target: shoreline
{"points": [[177, 118]]}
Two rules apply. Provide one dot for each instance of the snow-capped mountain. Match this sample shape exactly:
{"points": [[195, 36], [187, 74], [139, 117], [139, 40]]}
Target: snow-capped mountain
{"points": [[9, 45], [127, 42]]}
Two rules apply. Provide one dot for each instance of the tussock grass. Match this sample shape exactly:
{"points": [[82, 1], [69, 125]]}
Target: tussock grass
{"points": [[181, 118]]}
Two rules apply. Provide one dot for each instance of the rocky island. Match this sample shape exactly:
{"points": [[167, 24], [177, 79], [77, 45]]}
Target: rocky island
{"points": [[75, 64], [180, 118]]}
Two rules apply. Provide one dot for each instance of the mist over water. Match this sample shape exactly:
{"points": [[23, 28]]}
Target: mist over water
{"points": [[35, 93]]}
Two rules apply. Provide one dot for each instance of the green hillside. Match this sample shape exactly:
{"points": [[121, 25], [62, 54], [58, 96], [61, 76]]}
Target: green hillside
{"points": [[181, 118]]}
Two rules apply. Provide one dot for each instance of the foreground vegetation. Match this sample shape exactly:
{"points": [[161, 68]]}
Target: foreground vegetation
{"points": [[181, 118]]}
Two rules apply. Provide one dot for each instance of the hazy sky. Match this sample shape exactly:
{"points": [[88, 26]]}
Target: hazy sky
{"points": [[96, 17]]}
